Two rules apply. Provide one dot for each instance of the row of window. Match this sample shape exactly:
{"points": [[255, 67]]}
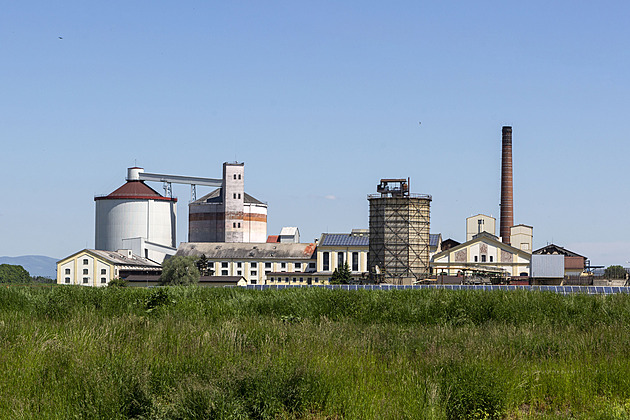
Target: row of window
{"points": [[340, 261], [483, 258], [86, 271], [86, 280], [253, 264], [239, 176], [291, 280]]}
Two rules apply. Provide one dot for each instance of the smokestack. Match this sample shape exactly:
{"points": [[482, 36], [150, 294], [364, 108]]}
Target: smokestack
{"points": [[507, 205]]}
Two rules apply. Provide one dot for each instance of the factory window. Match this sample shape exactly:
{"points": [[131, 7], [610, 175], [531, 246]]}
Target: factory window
{"points": [[103, 271], [311, 266], [239, 224], [301, 279], [224, 265], [253, 273], [297, 265], [267, 272], [326, 261], [283, 265], [234, 224], [294, 279], [239, 196], [239, 176], [476, 258], [253, 265], [267, 265], [286, 279], [67, 279], [234, 176], [483, 258], [85, 280], [239, 264], [85, 271], [339, 259], [355, 261], [67, 271], [224, 272], [239, 273], [85, 261], [490, 258], [103, 280]]}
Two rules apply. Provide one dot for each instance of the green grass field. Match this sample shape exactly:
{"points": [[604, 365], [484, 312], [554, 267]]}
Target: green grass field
{"points": [[192, 353]]}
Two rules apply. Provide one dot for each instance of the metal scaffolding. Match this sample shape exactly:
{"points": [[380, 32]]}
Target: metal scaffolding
{"points": [[399, 234]]}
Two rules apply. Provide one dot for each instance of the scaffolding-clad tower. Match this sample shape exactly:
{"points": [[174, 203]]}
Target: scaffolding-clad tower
{"points": [[399, 233]]}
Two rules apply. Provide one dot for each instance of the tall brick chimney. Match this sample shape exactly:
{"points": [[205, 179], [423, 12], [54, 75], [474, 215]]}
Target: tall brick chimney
{"points": [[507, 196]]}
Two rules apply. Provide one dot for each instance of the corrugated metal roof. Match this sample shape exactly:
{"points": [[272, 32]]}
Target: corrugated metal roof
{"points": [[135, 190], [289, 231], [247, 250], [343, 239], [134, 262]]}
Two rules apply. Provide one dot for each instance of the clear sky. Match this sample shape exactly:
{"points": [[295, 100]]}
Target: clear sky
{"points": [[320, 99]]}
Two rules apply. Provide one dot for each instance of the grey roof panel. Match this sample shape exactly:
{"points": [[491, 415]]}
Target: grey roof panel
{"points": [[247, 250], [344, 239]]}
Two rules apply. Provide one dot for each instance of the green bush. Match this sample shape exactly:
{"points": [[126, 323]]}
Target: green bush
{"points": [[471, 391]]}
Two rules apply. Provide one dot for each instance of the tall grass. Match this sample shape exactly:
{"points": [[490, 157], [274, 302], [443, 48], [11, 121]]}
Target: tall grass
{"points": [[193, 353]]}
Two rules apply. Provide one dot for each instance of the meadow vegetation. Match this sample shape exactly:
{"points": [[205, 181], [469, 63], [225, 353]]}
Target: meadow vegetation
{"points": [[311, 353]]}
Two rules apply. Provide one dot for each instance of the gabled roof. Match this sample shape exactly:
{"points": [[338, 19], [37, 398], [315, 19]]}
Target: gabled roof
{"points": [[116, 258], [289, 231], [247, 250], [216, 197], [135, 190], [555, 249], [487, 238]]}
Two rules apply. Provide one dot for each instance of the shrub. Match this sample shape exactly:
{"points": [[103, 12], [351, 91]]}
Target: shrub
{"points": [[471, 392]]}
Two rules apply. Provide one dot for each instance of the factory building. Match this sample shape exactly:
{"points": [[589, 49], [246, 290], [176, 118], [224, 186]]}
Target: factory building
{"points": [[574, 264], [256, 262], [484, 254], [135, 214], [228, 214], [91, 267], [334, 250], [399, 233]]}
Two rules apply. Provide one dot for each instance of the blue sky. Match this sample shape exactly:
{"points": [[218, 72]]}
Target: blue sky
{"points": [[320, 99]]}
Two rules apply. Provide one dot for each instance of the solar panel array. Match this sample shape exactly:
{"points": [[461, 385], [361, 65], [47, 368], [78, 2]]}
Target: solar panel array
{"points": [[565, 290], [344, 239]]}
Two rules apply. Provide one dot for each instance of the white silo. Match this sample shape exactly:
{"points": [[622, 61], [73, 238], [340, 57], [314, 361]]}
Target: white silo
{"points": [[136, 214]]}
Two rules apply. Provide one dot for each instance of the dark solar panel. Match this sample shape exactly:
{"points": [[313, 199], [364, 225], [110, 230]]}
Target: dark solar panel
{"points": [[343, 239]]}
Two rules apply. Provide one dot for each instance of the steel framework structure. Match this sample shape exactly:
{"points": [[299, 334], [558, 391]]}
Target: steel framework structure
{"points": [[399, 237]]}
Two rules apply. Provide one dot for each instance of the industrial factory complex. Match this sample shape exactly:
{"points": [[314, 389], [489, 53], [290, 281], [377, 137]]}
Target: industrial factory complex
{"points": [[135, 232]]}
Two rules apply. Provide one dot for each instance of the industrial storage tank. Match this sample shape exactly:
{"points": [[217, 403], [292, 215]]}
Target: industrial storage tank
{"points": [[399, 233], [136, 212]]}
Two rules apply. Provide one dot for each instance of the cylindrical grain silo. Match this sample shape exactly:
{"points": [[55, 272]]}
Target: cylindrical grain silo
{"points": [[135, 211]]}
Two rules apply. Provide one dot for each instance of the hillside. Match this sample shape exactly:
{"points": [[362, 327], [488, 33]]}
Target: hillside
{"points": [[36, 265]]}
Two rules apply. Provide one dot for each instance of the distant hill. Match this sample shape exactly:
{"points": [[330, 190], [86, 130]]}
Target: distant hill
{"points": [[36, 265]]}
